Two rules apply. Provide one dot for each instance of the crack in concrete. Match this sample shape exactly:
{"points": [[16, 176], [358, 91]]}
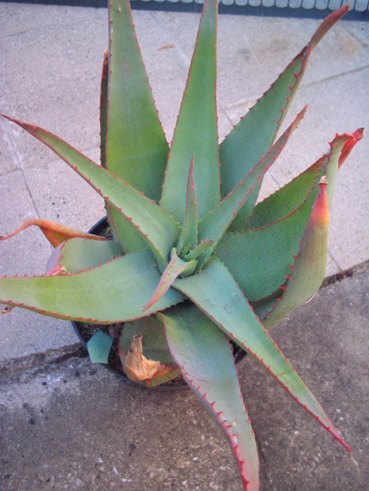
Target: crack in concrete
{"points": [[38, 361]]}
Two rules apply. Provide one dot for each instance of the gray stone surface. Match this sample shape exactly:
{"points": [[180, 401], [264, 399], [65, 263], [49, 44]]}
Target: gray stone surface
{"points": [[50, 76], [61, 195], [50, 71], [69, 425], [16, 19], [8, 160], [25, 332]]}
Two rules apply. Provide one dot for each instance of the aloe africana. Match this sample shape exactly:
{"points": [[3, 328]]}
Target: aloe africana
{"points": [[194, 261]]}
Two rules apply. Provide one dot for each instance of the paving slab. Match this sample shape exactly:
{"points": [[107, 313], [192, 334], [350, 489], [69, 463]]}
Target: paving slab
{"points": [[56, 71], [17, 19], [253, 50], [50, 75], [69, 425], [8, 161], [17, 207], [61, 195], [24, 332]]}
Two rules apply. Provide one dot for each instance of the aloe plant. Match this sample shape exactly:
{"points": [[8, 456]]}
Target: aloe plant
{"points": [[194, 262]]}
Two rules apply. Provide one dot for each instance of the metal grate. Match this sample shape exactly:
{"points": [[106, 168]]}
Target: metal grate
{"points": [[359, 9]]}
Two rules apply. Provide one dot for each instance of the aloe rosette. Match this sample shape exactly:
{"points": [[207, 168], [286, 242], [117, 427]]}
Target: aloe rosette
{"points": [[194, 262]]}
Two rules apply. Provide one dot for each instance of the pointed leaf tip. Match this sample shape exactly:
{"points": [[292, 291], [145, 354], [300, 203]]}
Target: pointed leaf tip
{"points": [[131, 118], [326, 25], [349, 145], [254, 134], [196, 137], [103, 107]]}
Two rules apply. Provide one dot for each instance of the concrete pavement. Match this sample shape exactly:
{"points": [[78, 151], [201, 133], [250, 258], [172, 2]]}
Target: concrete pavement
{"points": [[66, 424]]}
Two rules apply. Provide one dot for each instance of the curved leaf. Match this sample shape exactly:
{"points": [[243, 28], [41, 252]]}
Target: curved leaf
{"points": [[341, 147], [260, 259], [54, 232], [216, 293], [284, 201], [196, 134], [309, 265], [116, 291], [157, 228], [254, 134], [205, 357], [308, 270]]}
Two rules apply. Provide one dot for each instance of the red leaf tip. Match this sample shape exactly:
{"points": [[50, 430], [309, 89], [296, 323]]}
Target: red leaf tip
{"points": [[349, 145]]}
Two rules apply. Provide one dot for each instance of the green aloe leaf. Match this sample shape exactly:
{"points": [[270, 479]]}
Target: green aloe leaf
{"points": [[205, 357], [308, 268], [203, 248], [158, 229], [253, 135], [116, 291], [99, 346], [267, 250], [78, 254], [216, 223], [135, 146], [284, 201], [176, 267], [216, 293], [260, 259], [189, 233], [196, 134]]}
